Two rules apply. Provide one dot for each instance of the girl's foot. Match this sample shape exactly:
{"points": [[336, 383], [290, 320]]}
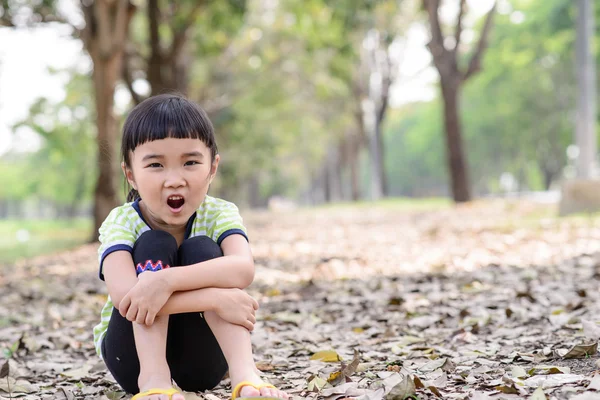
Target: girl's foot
{"points": [[250, 391], [158, 383]]}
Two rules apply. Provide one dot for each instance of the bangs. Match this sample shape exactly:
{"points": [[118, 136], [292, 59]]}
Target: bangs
{"points": [[166, 116]]}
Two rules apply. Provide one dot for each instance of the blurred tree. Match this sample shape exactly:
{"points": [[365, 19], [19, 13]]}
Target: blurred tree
{"points": [[169, 39], [104, 36], [518, 114], [587, 113], [67, 178], [445, 53]]}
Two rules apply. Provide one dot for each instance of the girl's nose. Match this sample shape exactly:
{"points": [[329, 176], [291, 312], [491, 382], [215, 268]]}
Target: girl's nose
{"points": [[174, 179]]}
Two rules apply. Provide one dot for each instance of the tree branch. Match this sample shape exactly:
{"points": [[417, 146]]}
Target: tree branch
{"points": [[179, 35], [153, 27], [128, 78], [475, 63], [459, 27], [120, 30], [436, 45]]}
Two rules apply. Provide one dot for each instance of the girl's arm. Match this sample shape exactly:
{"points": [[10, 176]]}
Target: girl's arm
{"points": [[233, 305], [119, 274], [234, 270]]}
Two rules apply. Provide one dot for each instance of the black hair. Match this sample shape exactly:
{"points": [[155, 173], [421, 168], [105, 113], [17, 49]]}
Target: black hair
{"points": [[165, 116]]}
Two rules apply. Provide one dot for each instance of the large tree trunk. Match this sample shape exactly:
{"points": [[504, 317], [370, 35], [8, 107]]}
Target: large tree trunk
{"points": [[105, 197], [445, 59], [105, 33], [456, 158]]}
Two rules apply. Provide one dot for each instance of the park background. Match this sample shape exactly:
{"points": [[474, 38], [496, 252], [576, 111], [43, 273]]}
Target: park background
{"points": [[357, 137]]}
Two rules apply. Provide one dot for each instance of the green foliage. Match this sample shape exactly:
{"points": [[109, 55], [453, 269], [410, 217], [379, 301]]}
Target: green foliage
{"points": [[278, 79], [63, 171], [517, 113]]}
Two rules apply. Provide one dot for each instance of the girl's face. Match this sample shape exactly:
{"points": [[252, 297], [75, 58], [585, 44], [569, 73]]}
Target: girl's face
{"points": [[172, 177]]}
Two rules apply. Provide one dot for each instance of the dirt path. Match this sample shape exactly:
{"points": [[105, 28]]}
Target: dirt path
{"points": [[482, 300]]}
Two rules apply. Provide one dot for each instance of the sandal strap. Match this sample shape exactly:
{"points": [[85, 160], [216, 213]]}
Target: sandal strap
{"points": [[150, 392], [238, 388]]}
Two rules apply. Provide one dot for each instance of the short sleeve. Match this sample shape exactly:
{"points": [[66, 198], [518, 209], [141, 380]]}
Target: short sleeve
{"points": [[116, 233], [228, 221]]}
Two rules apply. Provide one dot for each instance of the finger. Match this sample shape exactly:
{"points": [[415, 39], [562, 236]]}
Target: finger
{"points": [[252, 319], [255, 304], [124, 305], [150, 318], [141, 317], [132, 312], [249, 325]]}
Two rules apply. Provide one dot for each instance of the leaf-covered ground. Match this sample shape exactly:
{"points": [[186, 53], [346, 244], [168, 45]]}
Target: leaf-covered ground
{"points": [[494, 299]]}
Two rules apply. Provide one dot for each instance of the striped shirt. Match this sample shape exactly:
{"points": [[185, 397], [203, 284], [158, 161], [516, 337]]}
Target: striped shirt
{"points": [[214, 218]]}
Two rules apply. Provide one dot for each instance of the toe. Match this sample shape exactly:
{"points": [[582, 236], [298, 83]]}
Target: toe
{"points": [[249, 391]]}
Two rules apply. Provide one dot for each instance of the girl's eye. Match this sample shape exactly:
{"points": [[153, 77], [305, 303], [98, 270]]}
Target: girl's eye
{"points": [[154, 165], [192, 163]]}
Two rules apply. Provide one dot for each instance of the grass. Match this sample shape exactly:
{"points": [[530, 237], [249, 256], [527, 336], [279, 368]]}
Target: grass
{"points": [[29, 238]]}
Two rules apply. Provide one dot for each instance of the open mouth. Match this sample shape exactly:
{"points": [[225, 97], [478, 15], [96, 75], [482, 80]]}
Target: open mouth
{"points": [[175, 202]]}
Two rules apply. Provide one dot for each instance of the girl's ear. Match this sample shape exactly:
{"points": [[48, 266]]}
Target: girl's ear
{"points": [[128, 175], [214, 167]]}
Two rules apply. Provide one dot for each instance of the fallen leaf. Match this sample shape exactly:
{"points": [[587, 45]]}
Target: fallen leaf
{"points": [[4, 370], [595, 383], [538, 394], [402, 390], [518, 372], [316, 384], [326, 356], [581, 351], [548, 381]]}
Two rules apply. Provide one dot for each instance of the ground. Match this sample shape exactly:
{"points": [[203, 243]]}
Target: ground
{"points": [[494, 299]]}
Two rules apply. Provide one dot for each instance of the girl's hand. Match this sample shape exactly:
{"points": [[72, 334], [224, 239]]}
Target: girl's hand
{"points": [[146, 298], [237, 307]]}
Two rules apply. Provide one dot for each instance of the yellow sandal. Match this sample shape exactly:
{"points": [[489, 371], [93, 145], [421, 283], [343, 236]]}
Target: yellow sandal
{"points": [[239, 386], [170, 392]]}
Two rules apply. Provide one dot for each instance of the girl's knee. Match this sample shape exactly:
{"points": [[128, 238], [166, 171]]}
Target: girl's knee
{"points": [[160, 239], [198, 249], [154, 250]]}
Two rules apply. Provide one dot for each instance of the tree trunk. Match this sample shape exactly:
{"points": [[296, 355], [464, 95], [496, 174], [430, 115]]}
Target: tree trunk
{"points": [[326, 184], [456, 157], [104, 36], [586, 100], [169, 64], [381, 160], [370, 126], [105, 197], [332, 171], [354, 178]]}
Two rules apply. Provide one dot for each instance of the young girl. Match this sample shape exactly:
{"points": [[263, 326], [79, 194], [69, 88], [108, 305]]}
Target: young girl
{"points": [[175, 262]]}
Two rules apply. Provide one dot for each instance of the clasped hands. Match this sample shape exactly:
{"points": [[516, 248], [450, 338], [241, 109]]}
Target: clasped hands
{"points": [[144, 300]]}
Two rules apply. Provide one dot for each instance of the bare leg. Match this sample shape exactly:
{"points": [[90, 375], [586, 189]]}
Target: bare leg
{"points": [[235, 342], [151, 345]]}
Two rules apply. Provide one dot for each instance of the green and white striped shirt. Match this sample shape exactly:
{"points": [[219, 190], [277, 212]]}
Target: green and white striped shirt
{"points": [[215, 218]]}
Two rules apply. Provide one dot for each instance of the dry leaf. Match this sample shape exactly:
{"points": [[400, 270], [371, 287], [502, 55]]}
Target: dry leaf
{"points": [[326, 356], [538, 394], [581, 351], [595, 383], [402, 390], [518, 372]]}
